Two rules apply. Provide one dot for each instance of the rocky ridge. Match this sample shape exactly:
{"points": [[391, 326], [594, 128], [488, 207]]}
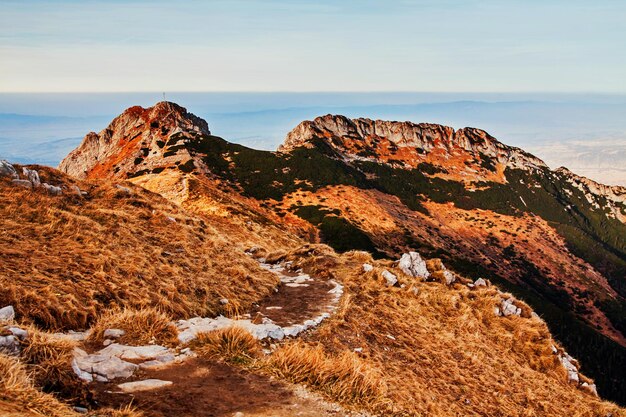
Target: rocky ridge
{"points": [[615, 195], [409, 144]]}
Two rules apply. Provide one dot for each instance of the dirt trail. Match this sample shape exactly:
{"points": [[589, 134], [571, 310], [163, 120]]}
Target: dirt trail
{"points": [[300, 297], [204, 388]]}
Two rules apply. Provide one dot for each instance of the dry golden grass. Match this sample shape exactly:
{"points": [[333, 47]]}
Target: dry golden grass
{"points": [[141, 327], [49, 359], [440, 351], [343, 377], [18, 391], [234, 345], [128, 411], [67, 259]]}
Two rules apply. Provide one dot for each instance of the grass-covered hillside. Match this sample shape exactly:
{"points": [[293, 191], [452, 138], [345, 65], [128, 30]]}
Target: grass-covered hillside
{"points": [[595, 239]]}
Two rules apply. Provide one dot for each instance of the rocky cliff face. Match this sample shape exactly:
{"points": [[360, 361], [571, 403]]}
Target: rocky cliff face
{"points": [[467, 154], [611, 199], [138, 141]]}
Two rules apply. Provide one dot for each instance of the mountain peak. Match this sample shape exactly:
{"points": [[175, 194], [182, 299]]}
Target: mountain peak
{"points": [[468, 152], [138, 140]]}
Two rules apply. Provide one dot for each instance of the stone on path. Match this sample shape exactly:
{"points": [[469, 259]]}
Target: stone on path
{"points": [[145, 385]]}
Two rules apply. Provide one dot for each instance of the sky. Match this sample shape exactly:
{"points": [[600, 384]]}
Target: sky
{"points": [[297, 45]]}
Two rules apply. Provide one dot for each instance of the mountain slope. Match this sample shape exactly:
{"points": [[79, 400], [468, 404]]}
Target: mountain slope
{"points": [[487, 209]]}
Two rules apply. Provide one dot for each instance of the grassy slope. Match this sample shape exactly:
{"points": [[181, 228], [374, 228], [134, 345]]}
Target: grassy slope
{"points": [[434, 350], [65, 258]]}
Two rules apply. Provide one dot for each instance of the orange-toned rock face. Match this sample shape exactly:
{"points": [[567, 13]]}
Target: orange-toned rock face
{"points": [[138, 141], [466, 155]]}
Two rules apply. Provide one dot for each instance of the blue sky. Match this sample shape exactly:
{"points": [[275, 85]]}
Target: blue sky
{"points": [[241, 45]]}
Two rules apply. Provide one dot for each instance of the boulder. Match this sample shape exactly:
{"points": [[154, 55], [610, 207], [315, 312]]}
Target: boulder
{"points": [[22, 183], [413, 265], [134, 352], [7, 170], [7, 313], [389, 277], [32, 176], [10, 345], [145, 385], [76, 190], [101, 367], [508, 308], [159, 362], [19, 333], [114, 333], [52, 189], [480, 282], [367, 268]]}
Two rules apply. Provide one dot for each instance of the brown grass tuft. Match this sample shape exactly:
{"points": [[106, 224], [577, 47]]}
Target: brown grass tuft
{"points": [[234, 345], [17, 389], [344, 377], [142, 326], [49, 358]]}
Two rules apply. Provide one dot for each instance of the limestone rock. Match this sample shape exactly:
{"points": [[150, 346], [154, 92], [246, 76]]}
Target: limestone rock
{"points": [[21, 334], [32, 176], [22, 183], [52, 189], [413, 265], [367, 268], [390, 278], [508, 308], [480, 282], [159, 135], [114, 333], [7, 170], [145, 385], [101, 367], [355, 137], [7, 313], [590, 387], [133, 352]]}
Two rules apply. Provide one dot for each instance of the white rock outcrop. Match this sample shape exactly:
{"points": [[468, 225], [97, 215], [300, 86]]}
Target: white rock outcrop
{"points": [[413, 265], [32, 176], [7, 170], [100, 367]]}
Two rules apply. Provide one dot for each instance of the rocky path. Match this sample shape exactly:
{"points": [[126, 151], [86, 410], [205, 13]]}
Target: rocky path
{"points": [[301, 302], [175, 382]]}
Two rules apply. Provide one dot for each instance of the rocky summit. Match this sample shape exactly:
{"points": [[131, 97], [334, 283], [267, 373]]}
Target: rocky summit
{"points": [[137, 141], [365, 268]]}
